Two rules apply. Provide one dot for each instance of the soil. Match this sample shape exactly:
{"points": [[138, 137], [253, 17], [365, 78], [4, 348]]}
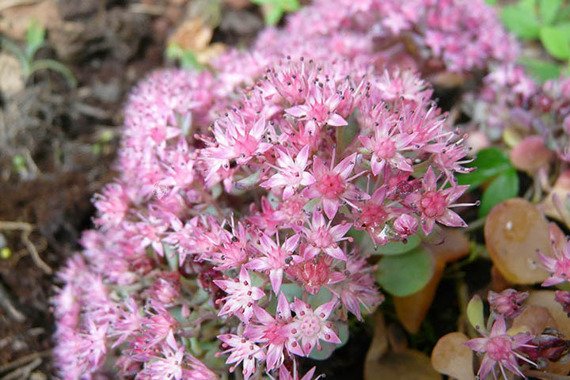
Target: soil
{"points": [[57, 144]]}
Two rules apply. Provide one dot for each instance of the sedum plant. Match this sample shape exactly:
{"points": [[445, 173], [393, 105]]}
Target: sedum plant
{"points": [[237, 236]]}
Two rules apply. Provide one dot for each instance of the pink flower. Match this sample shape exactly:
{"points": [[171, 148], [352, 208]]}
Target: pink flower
{"points": [[274, 334], [168, 366], [359, 287], [433, 204], [324, 238], [405, 225], [235, 139], [388, 143], [311, 326], [319, 110], [275, 258], [558, 266], [242, 295], [291, 173], [241, 350], [314, 273], [508, 303], [500, 348], [332, 185], [373, 214]]}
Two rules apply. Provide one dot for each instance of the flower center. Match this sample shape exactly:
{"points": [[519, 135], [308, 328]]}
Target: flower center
{"points": [[331, 186], [310, 326], [276, 333], [433, 204], [319, 112], [373, 215], [322, 238], [499, 348], [385, 149]]}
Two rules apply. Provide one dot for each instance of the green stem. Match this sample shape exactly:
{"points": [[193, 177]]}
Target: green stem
{"points": [[48, 64]]}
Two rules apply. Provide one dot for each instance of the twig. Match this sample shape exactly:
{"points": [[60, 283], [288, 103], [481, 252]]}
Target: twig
{"points": [[24, 371], [9, 307], [23, 360], [152, 10], [5, 4], [27, 229]]}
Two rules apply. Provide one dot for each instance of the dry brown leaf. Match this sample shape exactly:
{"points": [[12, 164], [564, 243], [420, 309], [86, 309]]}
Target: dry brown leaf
{"points": [[408, 365], [11, 80], [194, 35], [14, 21], [379, 345], [412, 309], [545, 298], [514, 232], [452, 357], [534, 319], [452, 245], [530, 154], [561, 190]]}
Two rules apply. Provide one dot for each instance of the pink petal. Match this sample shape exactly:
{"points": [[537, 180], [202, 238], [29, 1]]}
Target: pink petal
{"points": [[336, 120], [337, 253], [451, 219], [276, 278], [326, 309], [297, 111], [330, 207]]}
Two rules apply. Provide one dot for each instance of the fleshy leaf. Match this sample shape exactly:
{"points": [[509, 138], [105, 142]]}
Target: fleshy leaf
{"points": [[402, 275], [556, 40], [475, 313], [504, 187], [489, 163]]}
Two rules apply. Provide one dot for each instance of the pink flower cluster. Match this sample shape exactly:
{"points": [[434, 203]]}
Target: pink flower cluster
{"points": [[227, 241], [511, 99]]}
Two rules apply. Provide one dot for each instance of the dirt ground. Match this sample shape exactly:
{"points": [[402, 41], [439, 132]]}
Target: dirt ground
{"points": [[58, 143]]}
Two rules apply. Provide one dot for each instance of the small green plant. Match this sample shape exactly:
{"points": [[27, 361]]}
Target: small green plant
{"points": [[186, 58], [273, 10], [35, 39], [547, 21]]}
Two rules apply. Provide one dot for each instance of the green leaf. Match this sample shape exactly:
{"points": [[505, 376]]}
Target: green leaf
{"points": [[402, 275], [273, 10], [541, 70], [475, 313], [399, 247], [171, 256], [556, 40], [323, 296], [504, 187], [491, 2], [521, 19], [290, 291], [548, 9], [365, 243], [35, 37], [489, 163], [272, 15], [187, 58], [58, 67]]}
